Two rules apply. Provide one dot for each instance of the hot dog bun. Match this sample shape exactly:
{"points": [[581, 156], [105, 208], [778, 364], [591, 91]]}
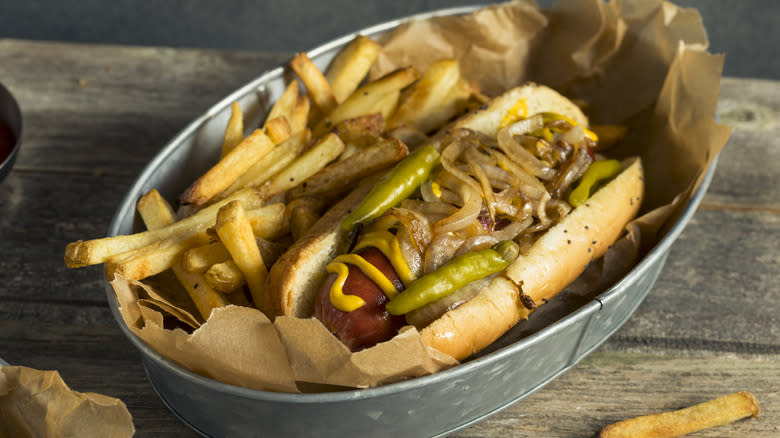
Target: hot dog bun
{"points": [[554, 260], [294, 278]]}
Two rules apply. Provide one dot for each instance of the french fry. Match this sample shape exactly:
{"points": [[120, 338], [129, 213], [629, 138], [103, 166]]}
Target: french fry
{"points": [[364, 100], [92, 252], [303, 213], [269, 221], [315, 82], [154, 210], [278, 129], [276, 160], [387, 105], [201, 258], [360, 131], [234, 131], [340, 176], [309, 163], [152, 259], [235, 233], [300, 115], [351, 65], [157, 213], [428, 106], [228, 169], [225, 277], [717, 412], [285, 105], [266, 222]]}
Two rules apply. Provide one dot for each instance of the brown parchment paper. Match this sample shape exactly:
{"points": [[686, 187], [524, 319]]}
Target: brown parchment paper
{"points": [[39, 404], [642, 63]]}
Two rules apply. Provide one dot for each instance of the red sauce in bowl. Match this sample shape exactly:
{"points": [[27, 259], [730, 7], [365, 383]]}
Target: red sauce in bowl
{"points": [[6, 141]]}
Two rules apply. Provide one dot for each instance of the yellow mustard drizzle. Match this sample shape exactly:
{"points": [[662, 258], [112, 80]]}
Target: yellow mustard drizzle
{"points": [[377, 236], [340, 300], [518, 111], [387, 243]]}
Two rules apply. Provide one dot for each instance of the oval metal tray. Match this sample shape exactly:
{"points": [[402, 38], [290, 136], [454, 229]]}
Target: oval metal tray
{"points": [[434, 405]]}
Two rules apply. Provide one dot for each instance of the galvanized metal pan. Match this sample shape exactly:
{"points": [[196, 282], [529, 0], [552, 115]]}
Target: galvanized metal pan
{"points": [[434, 405]]}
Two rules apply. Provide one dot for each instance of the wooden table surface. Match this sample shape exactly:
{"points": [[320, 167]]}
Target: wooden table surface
{"points": [[95, 115]]}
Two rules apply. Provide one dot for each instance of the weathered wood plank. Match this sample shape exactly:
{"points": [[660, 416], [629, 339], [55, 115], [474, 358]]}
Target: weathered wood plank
{"points": [[119, 104], [719, 290], [608, 387], [748, 172]]}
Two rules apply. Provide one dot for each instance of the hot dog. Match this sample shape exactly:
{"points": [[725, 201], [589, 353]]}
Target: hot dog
{"points": [[491, 218]]}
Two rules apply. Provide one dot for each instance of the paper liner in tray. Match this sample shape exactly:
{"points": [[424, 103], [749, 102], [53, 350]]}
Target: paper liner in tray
{"points": [[637, 62]]}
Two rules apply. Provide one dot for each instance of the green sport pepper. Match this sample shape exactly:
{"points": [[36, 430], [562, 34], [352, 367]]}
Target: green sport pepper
{"points": [[452, 276], [597, 173], [394, 187]]}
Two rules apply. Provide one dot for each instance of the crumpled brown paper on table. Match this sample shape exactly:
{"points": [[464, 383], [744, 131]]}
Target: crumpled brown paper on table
{"points": [[37, 403], [642, 63]]}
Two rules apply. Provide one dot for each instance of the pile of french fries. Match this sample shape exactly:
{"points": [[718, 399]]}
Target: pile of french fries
{"points": [[317, 142]]}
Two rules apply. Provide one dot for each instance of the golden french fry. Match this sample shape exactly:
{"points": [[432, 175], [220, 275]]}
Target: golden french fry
{"points": [[201, 258], [276, 160], [228, 169], [278, 129], [717, 412], [157, 213], [225, 277], [303, 213], [153, 259], [266, 222], [235, 232], [387, 105], [315, 82], [234, 131], [340, 176], [92, 252], [351, 65], [300, 114], [364, 100], [428, 106], [285, 105], [309, 163], [360, 131]]}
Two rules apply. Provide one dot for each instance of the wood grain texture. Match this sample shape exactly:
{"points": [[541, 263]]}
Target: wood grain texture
{"points": [[95, 115]]}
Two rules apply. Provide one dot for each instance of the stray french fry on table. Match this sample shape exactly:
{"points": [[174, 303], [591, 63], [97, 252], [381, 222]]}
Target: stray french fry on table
{"points": [[712, 413]]}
